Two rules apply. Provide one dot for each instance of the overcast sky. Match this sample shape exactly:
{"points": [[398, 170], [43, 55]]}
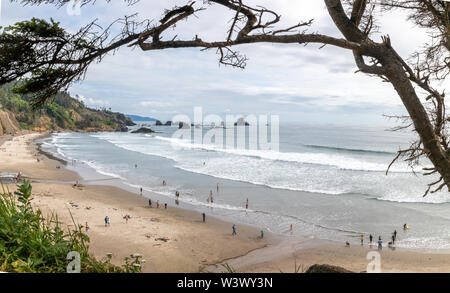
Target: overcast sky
{"points": [[298, 83]]}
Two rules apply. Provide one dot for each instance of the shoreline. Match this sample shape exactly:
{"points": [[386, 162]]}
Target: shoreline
{"points": [[172, 240], [175, 240]]}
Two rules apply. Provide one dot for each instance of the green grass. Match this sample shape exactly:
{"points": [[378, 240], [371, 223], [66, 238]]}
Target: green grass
{"points": [[31, 244]]}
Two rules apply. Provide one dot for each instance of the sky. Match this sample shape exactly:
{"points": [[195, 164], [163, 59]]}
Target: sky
{"points": [[299, 83]]}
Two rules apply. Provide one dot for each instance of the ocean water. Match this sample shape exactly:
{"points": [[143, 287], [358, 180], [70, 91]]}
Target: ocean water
{"points": [[329, 182]]}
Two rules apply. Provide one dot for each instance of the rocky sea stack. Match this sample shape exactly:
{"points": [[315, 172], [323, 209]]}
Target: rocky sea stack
{"points": [[143, 130]]}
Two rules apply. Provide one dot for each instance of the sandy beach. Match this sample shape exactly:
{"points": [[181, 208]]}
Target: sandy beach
{"points": [[171, 240], [176, 240]]}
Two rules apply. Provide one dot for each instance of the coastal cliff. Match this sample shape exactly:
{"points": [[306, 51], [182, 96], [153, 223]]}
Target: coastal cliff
{"points": [[8, 123], [63, 113]]}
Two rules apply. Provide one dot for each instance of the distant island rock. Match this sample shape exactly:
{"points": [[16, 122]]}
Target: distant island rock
{"points": [[158, 123], [241, 122], [183, 125], [168, 123], [143, 130]]}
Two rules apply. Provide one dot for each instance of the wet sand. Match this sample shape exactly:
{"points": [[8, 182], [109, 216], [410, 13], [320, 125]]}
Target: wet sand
{"points": [[296, 255]]}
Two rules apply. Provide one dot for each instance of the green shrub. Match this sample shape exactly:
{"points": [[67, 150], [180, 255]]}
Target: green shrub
{"points": [[31, 244]]}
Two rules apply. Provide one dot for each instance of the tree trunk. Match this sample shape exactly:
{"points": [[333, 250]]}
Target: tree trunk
{"points": [[397, 76]]}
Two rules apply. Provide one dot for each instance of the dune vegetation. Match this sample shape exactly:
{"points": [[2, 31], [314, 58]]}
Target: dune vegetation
{"points": [[33, 243]]}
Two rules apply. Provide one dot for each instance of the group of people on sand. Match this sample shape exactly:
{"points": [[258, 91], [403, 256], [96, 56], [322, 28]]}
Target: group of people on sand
{"points": [[150, 204], [380, 240], [107, 222], [210, 200]]}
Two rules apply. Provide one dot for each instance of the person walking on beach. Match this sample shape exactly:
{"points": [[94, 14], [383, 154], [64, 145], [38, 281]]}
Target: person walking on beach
{"points": [[204, 217], [217, 187], [141, 191], [150, 203], [380, 243], [165, 206], [370, 238], [107, 223], [87, 226], [395, 234], [246, 204], [234, 229], [362, 239], [393, 239], [177, 194], [262, 234], [292, 227], [127, 217]]}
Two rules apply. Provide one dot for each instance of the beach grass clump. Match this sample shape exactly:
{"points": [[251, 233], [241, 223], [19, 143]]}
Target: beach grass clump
{"points": [[31, 244]]}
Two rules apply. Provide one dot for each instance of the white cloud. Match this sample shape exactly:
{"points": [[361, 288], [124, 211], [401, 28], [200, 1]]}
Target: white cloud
{"points": [[92, 102], [157, 104]]}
